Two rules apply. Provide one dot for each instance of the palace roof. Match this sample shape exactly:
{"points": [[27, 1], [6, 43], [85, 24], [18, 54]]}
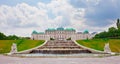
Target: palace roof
{"points": [[70, 29], [34, 32], [51, 29], [41, 33], [86, 32], [60, 28]]}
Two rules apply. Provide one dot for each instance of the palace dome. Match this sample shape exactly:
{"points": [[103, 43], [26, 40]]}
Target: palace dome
{"points": [[70, 29], [50, 29], [34, 32], [60, 28], [41, 33], [86, 32]]}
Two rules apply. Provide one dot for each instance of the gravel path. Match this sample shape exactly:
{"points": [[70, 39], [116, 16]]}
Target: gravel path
{"points": [[17, 60]]}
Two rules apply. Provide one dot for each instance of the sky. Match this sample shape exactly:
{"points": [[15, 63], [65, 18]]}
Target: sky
{"points": [[21, 17]]}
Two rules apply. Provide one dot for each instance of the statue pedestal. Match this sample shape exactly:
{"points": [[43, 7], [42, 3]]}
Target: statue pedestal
{"points": [[107, 49], [13, 49]]}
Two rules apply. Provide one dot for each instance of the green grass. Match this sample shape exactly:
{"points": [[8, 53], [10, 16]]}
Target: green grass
{"points": [[99, 44], [115, 45], [5, 45]]}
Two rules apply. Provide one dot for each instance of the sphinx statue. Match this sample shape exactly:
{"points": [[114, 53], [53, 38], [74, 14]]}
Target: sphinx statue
{"points": [[107, 48], [13, 48]]}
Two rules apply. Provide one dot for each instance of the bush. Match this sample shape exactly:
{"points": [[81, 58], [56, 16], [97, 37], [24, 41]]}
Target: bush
{"points": [[69, 39]]}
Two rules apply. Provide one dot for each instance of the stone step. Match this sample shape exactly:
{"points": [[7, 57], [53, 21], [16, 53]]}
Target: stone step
{"points": [[62, 51], [60, 47]]}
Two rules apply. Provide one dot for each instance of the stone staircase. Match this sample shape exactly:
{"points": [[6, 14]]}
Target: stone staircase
{"points": [[60, 47]]}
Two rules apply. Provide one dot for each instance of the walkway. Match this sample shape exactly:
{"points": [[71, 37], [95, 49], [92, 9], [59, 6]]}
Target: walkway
{"points": [[16, 60]]}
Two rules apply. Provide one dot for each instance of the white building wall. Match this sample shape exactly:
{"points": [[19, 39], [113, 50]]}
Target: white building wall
{"points": [[61, 34]]}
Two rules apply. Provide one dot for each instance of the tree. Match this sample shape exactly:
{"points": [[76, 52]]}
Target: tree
{"points": [[102, 35], [12, 37], [111, 33], [112, 29], [118, 23], [2, 36], [52, 39], [69, 38]]}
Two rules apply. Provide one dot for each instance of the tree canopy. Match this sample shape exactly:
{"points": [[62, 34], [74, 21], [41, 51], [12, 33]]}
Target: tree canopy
{"points": [[111, 33], [118, 23], [11, 37], [2, 36]]}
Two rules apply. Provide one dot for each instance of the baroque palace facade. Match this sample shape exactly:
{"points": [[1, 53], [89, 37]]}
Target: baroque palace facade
{"points": [[61, 33]]}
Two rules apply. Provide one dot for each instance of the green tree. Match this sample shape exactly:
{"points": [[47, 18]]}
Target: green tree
{"points": [[101, 35], [12, 37], [112, 29], [118, 24], [111, 33], [2, 36], [69, 38], [52, 39]]}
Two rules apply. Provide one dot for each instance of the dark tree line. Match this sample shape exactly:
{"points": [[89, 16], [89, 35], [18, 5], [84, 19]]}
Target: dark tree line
{"points": [[11, 37], [2, 36], [111, 33]]}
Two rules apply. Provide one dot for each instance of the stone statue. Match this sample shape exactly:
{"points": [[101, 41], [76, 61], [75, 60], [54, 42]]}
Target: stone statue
{"points": [[13, 49], [107, 48]]}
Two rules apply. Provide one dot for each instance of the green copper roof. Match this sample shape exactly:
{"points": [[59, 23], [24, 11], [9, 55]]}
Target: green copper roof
{"points": [[69, 29], [41, 33], [60, 28], [86, 32], [50, 29], [34, 32]]}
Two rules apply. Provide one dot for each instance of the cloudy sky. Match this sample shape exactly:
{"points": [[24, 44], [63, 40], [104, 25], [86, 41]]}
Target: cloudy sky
{"points": [[21, 17]]}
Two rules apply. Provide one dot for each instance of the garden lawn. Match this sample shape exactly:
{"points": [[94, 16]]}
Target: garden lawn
{"points": [[115, 45], [5, 45], [99, 44]]}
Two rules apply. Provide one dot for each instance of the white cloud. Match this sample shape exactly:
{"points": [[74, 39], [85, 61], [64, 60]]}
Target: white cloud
{"points": [[22, 19], [93, 2]]}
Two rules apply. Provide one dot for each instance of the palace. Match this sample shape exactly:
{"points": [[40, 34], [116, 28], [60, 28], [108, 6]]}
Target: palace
{"points": [[61, 34], [61, 41]]}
